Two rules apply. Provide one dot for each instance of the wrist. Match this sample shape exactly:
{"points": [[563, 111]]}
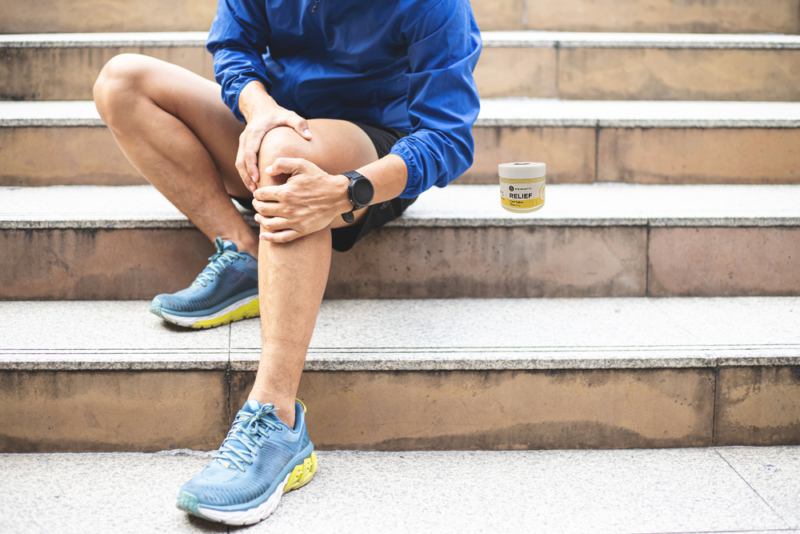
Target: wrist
{"points": [[254, 100], [341, 184]]}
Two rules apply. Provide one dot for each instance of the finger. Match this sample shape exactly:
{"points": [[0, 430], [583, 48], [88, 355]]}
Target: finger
{"points": [[267, 193], [251, 147], [287, 166], [274, 224], [242, 169], [280, 237], [268, 209], [301, 126]]}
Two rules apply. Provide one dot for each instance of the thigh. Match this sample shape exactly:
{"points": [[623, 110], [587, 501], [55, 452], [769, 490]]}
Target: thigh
{"points": [[197, 103]]}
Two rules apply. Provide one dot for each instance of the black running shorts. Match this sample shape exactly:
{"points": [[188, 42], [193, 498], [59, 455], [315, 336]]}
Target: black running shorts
{"points": [[379, 214]]}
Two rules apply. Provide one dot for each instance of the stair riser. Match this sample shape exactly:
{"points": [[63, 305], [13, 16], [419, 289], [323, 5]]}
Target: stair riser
{"points": [[611, 261], [70, 73], [392, 263], [446, 410], [723, 261], [639, 74], [570, 73], [44, 156], [723, 16], [674, 16]]}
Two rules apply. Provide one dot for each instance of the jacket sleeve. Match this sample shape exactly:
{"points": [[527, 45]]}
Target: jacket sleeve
{"points": [[443, 100], [238, 38]]}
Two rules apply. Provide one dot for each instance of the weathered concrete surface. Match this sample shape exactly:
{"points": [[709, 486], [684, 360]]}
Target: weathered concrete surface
{"points": [[723, 262], [99, 264], [112, 411], [570, 153], [510, 71], [674, 74], [499, 14], [720, 16], [570, 492], [592, 240], [70, 73], [695, 156], [774, 473], [505, 410], [492, 262], [63, 156], [512, 64], [65, 143], [758, 406], [445, 262], [44, 16]]}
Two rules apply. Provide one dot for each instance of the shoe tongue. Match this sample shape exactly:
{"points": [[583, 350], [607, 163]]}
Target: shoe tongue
{"points": [[252, 406], [229, 246]]}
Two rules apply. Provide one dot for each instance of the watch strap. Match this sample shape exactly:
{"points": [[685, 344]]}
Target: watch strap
{"points": [[351, 175]]}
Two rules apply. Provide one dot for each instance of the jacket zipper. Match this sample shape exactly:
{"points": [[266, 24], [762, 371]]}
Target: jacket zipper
{"points": [[314, 9]]}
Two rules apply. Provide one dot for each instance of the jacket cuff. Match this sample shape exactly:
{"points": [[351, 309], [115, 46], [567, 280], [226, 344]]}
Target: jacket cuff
{"points": [[237, 87], [412, 188]]}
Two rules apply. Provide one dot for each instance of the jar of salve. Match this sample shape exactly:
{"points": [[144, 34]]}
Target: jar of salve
{"points": [[522, 186]]}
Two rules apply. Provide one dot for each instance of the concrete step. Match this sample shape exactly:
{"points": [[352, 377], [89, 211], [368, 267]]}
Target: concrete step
{"points": [[64, 143], [721, 490], [605, 240], [720, 16], [414, 375], [600, 66]]}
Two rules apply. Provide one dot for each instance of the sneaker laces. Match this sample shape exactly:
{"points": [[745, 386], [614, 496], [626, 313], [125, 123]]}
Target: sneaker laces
{"points": [[245, 432], [217, 263]]}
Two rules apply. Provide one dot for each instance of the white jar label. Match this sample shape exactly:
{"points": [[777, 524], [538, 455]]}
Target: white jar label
{"points": [[522, 194]]}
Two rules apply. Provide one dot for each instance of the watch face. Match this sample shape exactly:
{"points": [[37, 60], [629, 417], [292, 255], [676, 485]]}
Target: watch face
{"points": [[363, 192]]}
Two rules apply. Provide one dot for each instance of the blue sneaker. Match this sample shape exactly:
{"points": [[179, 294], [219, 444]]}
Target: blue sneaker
{"points": [[259, 461], [226, 291]]}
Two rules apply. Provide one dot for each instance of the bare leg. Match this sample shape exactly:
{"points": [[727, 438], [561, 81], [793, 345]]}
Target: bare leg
{"points": [[292, 276], [173, 127]]}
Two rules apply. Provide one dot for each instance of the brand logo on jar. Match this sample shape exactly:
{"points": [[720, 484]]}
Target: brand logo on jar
{"points": [[510, 187]]}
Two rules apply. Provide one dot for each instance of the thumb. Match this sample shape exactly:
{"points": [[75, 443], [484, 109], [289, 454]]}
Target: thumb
{"points": [[288, 166], [301, 126]]}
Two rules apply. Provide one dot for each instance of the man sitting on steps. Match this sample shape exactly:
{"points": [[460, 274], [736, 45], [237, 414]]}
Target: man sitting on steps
{"points": [[347, 104]]}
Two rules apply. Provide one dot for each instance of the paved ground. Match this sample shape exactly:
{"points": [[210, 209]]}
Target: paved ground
{"points": [[738, 489]]}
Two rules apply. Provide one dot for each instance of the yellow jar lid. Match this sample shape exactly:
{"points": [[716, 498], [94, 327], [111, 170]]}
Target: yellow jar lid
{"points": [[521, 169]]}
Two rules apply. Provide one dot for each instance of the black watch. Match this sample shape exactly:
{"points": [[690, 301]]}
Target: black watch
{"points": [[360, 192]]}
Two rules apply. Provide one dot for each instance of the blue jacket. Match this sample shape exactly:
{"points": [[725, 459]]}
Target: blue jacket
{"points": [[406, 64]]}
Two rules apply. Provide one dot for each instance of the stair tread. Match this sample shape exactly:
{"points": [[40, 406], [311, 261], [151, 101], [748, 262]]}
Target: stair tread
{"points": [[598, 204], [420, 335], [645, 490], [506, 112], [529, 38]]}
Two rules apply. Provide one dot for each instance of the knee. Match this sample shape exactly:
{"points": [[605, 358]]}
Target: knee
{"points": [[281, 142], [120, 78]]}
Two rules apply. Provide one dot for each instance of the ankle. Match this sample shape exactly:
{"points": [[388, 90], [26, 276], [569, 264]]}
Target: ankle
{"points": [[247, 243], [285, 407]]}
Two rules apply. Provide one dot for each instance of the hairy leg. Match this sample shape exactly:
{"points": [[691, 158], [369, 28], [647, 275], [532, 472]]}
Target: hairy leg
{"points": [[292, 276], [173, 127]]}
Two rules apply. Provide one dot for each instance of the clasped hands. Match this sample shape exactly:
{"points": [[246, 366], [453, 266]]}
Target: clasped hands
{"points": [[308, 202]]}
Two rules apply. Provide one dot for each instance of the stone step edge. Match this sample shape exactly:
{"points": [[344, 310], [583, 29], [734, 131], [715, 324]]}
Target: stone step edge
{"points": [[613, 334], [491, 39], [422, 360], [501, 112], [456, 206]]}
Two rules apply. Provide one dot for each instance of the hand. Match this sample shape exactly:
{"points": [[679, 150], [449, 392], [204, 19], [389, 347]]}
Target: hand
{"points": [[306, 203], [262, 114]]}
